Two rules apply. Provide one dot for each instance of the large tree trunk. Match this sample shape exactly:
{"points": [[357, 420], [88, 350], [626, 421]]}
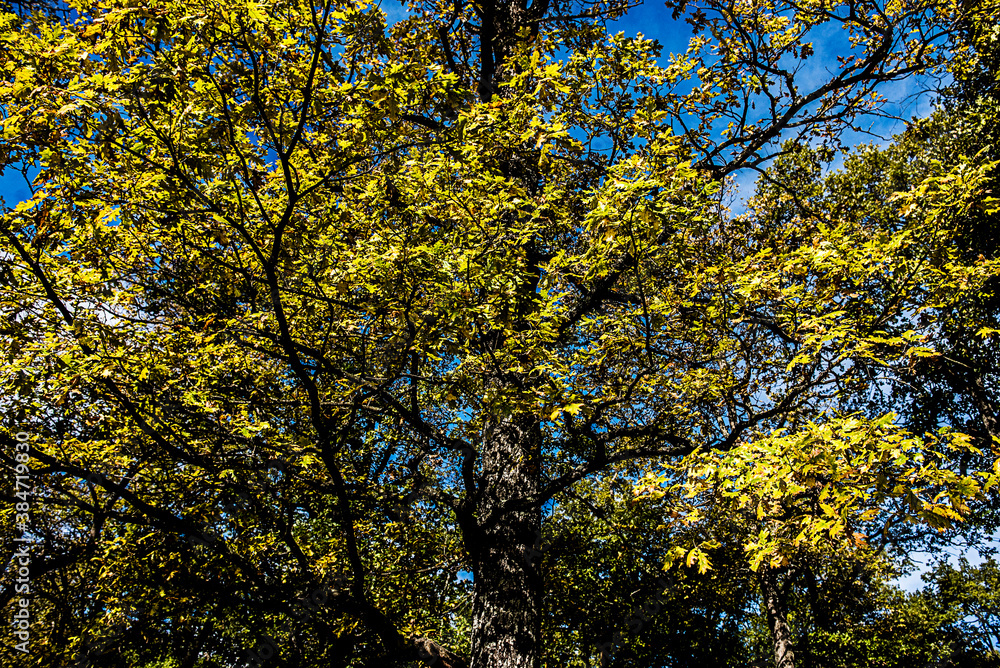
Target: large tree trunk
{"points": [[776, 609], [507, 588]]}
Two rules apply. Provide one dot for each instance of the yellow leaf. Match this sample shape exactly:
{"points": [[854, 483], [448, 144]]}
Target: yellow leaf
{"points": [[255, 12]]}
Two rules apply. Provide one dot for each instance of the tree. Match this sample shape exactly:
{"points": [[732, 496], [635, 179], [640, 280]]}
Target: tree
{"points": [[284, 264], [818, 510], [967, 597], [959, 387], [939, 168]]}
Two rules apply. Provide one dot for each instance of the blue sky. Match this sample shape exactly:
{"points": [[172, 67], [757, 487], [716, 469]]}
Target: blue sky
{"points": [[905, 98], [653, 19], [13, 188]]}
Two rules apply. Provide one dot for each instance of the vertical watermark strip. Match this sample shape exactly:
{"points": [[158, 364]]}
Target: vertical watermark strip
{"points": [[23, 491]]}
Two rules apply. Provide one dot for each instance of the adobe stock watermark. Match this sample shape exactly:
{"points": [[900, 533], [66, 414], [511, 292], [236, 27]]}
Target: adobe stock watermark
{"points": [[305, 607], [204, 533], [94, 649], [535, 552], [640, 616], [23, 491], [400, 508]]}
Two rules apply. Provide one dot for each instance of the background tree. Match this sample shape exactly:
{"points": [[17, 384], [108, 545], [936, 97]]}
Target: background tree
{"points": [[947, 388], [967, 596]]}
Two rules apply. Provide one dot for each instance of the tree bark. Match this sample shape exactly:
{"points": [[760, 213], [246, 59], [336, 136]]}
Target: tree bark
{"points": [[433, 654], [507, 587], [776, 609]]}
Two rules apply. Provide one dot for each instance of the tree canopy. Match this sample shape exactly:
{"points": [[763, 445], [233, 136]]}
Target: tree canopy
{"points": [[345, 342]]}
